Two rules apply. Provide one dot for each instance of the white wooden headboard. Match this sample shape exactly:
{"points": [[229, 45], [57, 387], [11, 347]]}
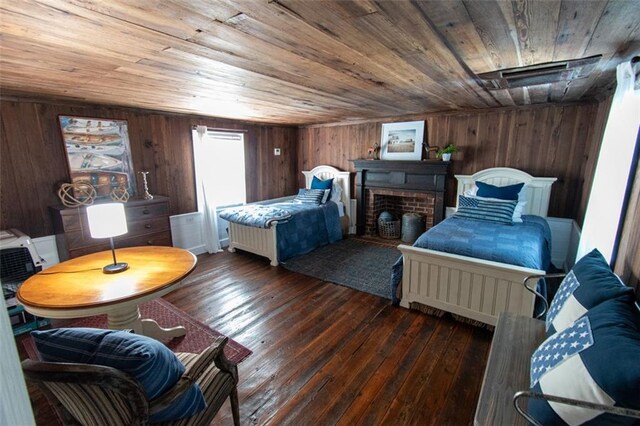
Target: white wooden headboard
{"points": [[339, 177], [538, 189]]}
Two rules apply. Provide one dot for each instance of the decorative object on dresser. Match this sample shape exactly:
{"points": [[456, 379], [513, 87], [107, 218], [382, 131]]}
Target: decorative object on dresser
{"points": [[98, 152], [402, 141], [469, 287], [77, 194], [146, 195], [420, 183], [120, 194], [147, 222]]}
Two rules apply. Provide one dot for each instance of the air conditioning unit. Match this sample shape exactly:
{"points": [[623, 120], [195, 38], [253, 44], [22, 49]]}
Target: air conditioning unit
{"points": [[533, 75]]}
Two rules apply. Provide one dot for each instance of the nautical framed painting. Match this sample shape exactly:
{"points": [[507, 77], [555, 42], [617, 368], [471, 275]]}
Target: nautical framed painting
{"points": [[402, 141], [98, 152]]}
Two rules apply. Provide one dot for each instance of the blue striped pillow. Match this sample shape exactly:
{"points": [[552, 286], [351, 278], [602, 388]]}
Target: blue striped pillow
{"points": [[483, 209], [309, 196], [149, 361]]}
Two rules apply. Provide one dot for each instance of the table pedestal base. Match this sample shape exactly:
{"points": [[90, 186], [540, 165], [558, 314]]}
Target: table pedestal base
{"points": [[129, 318]]}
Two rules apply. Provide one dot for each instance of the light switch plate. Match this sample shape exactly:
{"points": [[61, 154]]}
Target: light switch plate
{"points": [[276, 151]]}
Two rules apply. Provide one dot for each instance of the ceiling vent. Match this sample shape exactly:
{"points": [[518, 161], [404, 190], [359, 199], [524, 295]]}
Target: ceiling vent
{"points": [[550, 72]]}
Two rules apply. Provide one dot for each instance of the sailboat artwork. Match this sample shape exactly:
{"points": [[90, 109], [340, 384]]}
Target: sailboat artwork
{"points": [[98, 153]]}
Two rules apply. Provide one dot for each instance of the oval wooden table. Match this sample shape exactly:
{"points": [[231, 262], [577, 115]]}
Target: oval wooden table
{"points": [[78, 287]]}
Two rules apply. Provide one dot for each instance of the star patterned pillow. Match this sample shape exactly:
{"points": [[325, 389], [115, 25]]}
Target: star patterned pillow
{"points": [[594, 359], [588, 284]]}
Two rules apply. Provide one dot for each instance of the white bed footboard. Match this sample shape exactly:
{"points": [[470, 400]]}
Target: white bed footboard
{"points": [[473, 288], [260, 241]]}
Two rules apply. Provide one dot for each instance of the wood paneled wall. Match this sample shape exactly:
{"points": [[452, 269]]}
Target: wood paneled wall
{"points": [[32, 158], [552, 140]]}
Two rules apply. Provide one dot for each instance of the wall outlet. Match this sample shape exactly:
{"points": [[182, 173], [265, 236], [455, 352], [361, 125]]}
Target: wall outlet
{"points": [[276, 151]]}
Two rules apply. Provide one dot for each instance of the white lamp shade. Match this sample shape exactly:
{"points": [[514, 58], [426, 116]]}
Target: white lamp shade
{"points": [[107, 220]]}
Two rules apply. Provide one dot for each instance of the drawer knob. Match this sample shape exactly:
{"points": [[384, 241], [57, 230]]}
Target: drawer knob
{"points": [[150, 242], [145, 211], [148, 226]]}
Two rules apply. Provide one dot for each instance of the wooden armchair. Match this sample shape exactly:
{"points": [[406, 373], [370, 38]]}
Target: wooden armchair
{"points": [[98, 395]]}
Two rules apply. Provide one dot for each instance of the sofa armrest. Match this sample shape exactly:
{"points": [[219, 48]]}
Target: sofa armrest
{"points": [[626, 412], [535, 292]]}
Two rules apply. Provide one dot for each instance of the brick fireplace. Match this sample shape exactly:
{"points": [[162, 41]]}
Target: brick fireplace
{"points": [[399, 187]]}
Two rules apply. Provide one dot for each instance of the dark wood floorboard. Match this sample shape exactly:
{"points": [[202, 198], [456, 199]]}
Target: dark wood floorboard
{"points": [[324, 354]]}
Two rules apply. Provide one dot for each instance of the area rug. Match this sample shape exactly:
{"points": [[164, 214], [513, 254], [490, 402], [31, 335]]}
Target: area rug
{"points": [[198, 336], [352, 263]]}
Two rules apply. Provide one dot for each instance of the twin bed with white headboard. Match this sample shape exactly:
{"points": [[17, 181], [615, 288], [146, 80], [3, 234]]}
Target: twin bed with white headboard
{"points": [[264, 241], [474, 288]]}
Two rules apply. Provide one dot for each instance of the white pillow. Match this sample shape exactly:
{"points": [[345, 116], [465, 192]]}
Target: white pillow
{"points": [[336, 193], [325, 196]]}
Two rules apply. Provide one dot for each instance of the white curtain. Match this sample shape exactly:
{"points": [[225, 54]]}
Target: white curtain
{"points": [[206, 199], [612, 170]]}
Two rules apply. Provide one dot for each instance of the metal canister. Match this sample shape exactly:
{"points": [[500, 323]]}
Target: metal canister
{"points": [[412, 227]]}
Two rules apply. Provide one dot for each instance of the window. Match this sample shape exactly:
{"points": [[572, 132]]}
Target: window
{"points": [[220, 167], [602, 218]]}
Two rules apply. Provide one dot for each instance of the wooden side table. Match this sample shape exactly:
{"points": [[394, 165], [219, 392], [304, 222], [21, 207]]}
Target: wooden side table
{"points": [[78, 287]]}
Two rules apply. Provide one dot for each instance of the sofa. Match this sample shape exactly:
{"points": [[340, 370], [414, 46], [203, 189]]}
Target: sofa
{"points": [[580, 365]]}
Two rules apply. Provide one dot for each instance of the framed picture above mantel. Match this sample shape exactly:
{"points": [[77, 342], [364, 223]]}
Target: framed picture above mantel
{"points": [[402, 141]]}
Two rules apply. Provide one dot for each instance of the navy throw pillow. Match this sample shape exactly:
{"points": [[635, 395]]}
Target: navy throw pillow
{"points": [[321, 184], [589, 283], [509, 192], [595, 359], [154, 365]]}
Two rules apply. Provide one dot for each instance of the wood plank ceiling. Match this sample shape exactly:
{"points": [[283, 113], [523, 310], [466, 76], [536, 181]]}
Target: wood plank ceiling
{"points": [[305, 61]]}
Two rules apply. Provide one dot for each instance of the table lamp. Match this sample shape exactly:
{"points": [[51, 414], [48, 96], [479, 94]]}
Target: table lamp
{"points": [[108, 221]]}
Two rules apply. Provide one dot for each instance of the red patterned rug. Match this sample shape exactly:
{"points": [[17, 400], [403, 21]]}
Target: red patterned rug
{"points": [[198, 336]]}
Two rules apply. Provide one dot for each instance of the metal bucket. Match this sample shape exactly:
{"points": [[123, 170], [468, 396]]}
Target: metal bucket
{"points": [[412, 227]]}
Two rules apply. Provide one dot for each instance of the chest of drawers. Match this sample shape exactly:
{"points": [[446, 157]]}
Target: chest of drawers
{"points": [[147, 223]]}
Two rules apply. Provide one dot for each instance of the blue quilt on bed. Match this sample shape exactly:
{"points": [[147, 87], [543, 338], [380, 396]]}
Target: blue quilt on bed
{"points": [[525, 244], [256, 215], [301, 228]]}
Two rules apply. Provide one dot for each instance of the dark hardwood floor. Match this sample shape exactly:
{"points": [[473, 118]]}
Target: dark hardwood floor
{"points": [[325, 354]]}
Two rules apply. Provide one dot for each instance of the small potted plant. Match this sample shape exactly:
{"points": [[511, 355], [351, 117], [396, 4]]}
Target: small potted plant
{"points": [[446, 152]]}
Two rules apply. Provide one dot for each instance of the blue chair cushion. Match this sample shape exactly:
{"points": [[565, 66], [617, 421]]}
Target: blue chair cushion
{"points": [[589, 283], [509, 192], [154, 365], [595, 359]]}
